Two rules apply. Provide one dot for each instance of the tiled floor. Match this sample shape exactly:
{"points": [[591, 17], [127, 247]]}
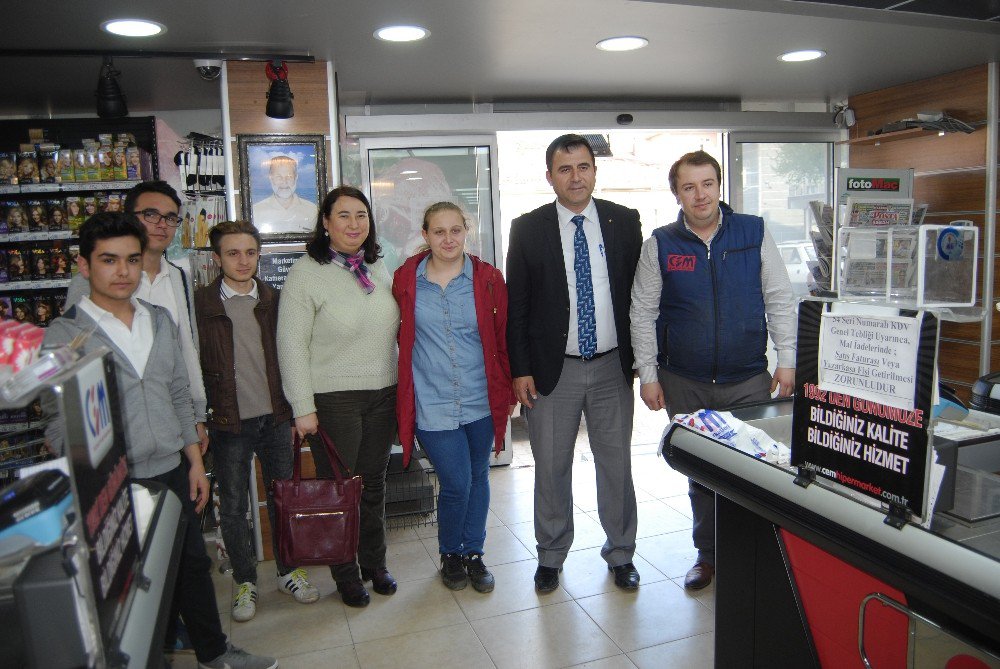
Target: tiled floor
{"points": [[587, 622]]}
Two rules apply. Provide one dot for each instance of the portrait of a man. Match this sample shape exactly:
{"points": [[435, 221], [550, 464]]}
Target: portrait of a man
{"points": [[282, 178], [285, 208]]}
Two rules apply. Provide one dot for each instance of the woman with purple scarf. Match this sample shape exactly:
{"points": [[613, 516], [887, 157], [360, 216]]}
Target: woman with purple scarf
{"points": [[337, 325]]}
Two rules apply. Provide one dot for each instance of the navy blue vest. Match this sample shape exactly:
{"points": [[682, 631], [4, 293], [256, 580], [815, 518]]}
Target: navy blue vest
{"points": [[712, 326]]}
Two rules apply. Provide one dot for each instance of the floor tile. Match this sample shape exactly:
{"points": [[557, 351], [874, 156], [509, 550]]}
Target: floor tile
{"points": [[514, 591], [343, 657], [585, 573], [706, 595], [559, 635], [587, 533], [421, 605], [655, 517], [284, 627], [514, 508], [410, 561], [657, 613], [614, 662], [680, 503], [509, 480], [672, 554], [453, 647], [695, 652]]}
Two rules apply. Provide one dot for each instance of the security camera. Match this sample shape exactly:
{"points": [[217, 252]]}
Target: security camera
{"points": [[624, 119], [209, 70]]}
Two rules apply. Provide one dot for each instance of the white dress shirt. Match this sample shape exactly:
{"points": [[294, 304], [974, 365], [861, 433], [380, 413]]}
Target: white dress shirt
{"points": [[158, 291], [607, 336], [135, 342]]}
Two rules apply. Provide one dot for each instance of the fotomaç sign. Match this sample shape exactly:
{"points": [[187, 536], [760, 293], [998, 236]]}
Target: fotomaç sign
{"points": [[872, 184]]}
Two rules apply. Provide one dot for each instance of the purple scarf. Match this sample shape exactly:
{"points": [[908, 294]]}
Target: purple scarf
{"points": [[354, 264]]}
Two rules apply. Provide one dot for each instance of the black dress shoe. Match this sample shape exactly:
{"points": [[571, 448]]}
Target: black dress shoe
{"points": [[699, 576], [626, 576], [382, 581], [353, 593], [547, 578]]}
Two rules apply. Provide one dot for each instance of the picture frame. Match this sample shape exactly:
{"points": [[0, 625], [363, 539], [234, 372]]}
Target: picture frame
{"points": [[282, 183]]}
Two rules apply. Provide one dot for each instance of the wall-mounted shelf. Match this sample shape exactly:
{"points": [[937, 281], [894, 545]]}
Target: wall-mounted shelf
{"points": [[909, 133], [66, 187]]}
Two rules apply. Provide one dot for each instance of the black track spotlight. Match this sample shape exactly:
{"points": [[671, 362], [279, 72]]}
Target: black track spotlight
{"points": [[279, 98], [110, 99]]}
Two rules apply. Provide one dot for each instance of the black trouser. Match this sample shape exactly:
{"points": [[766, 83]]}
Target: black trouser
{"points": [[194, 594], [362, 425]]}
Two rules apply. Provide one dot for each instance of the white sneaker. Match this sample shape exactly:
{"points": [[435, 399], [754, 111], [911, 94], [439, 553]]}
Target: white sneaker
{"points": [[245, 603], [237, 658], [294, 583]]}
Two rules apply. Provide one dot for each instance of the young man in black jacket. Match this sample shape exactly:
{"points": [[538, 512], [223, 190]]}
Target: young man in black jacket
{"points": [[247, 411]]}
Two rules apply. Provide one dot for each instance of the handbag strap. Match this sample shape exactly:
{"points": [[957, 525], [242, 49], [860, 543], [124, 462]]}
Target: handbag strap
{"points": [[336, 463]]}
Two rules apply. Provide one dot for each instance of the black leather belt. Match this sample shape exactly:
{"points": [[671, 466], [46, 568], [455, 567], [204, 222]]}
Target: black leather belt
{"points": [[593, 357]]}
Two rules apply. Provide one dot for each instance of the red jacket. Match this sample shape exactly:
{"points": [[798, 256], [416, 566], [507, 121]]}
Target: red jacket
{"points": [[490, 294]]}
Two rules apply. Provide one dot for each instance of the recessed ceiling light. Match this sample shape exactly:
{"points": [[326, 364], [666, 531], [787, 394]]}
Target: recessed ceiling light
{"points": [[628, 43], [801, 56], [402, 33], [133, 27]]}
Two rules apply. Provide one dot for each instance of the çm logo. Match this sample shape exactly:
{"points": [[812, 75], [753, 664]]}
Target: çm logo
{"points": [[97, 409], [679, 263]]}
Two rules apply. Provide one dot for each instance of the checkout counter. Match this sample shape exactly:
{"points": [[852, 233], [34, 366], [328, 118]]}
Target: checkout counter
{"points": [[814, 576], [87, 559]]}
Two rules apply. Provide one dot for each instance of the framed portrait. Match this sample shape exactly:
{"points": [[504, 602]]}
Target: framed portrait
{"points": [[282, 183]]}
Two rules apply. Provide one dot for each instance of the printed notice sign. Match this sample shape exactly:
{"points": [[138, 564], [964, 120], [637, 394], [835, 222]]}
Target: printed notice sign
{"points": [[862, 401], [873, 358]]}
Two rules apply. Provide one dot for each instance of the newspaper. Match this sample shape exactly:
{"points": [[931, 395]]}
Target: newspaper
{"points": [[866, 211]]}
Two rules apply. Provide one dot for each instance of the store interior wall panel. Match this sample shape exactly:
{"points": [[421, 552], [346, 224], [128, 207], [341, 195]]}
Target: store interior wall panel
{"points": [[248, 86], [959, 360], [955, 192], [925, 153]]}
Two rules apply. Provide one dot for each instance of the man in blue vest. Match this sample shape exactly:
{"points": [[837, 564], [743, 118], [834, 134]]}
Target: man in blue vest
{"points": [[708, 290]]}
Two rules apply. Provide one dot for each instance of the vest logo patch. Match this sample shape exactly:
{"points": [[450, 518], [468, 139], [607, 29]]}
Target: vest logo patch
{"points": [[679, 263]]}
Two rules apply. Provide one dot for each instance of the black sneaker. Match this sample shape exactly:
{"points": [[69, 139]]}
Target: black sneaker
{"points": [[479, 575], [453, 571]]}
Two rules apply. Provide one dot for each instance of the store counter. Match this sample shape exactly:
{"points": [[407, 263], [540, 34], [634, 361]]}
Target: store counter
{"points": [[813, 576]]}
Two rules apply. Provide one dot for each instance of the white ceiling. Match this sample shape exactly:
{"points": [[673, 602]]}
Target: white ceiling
{"points": [[500, 51]]}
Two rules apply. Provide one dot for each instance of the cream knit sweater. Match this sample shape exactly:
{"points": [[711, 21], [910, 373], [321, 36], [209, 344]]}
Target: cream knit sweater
{"points": [[332, 335]]}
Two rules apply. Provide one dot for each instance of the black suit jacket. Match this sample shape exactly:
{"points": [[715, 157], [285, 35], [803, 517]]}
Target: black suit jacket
{"points": [[538, 310]]}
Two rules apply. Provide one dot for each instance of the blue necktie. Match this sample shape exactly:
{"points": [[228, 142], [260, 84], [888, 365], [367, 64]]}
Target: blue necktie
{"points": [[586, 323]]}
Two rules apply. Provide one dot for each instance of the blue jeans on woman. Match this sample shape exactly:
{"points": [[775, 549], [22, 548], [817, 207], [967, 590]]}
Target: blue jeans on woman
{"points": [[461, 459]]}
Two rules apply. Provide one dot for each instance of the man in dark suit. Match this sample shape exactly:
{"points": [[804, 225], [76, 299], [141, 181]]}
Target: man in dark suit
{"points": [[569, 274]]}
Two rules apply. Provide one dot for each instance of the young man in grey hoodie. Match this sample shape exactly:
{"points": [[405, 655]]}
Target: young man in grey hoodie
{"points": [[157, 412]]}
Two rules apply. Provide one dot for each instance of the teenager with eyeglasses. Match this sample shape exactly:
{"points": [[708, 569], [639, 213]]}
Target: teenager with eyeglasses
{"points": [[163, 283]]}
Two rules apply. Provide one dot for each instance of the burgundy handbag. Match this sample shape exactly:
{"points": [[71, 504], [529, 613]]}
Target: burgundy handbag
{"points": [[317, 519]]}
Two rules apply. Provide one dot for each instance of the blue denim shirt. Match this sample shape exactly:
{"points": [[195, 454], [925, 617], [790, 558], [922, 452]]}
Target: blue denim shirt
{"points": [[449, 374]]}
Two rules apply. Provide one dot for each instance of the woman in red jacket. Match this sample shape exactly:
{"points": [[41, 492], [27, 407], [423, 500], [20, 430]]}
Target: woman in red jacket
{"points": [[455, 390]]}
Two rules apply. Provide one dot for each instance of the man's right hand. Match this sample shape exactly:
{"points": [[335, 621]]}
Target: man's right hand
{"points": [[652, 395], [524, 390], [306, 425]]}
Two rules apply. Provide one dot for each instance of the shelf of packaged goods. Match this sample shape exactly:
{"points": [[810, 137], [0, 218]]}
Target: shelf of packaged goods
{"points": [[38, 284], [66, 187], [37, 236]]}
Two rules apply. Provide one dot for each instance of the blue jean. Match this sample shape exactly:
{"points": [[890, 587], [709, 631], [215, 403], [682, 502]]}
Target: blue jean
{"points": [[233, 453], [461, 459]]}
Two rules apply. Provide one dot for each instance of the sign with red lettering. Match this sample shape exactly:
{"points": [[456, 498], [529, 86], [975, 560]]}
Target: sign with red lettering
{"points": [[857, 432]]}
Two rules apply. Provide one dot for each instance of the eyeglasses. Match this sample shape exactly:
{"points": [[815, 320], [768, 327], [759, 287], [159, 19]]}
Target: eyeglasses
{"points": [[153, 217]]}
